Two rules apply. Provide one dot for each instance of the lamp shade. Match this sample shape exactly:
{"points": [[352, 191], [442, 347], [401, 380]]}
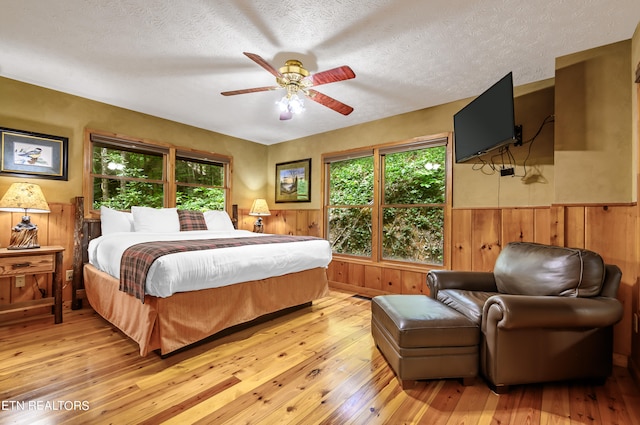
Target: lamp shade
{"points": [[259, 208], [24, 198]]}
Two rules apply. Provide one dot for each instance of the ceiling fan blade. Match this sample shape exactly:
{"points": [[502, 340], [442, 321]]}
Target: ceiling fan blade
{"points": [[253, 90], [263, 63], [332, 75], [329, 102]]}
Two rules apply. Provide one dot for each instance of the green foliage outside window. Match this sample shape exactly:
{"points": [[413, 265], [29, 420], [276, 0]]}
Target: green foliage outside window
{"points": [[199, 198], [412, 207], [200, 185], [351, 191], [412, 233], [124, 178]]}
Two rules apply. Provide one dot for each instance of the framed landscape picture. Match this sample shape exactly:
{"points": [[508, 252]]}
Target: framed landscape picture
{"points": [[33, 155], [293, 181]]}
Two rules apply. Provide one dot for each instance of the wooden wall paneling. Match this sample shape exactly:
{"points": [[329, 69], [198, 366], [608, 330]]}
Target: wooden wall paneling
{"points": [[623, 330], [277, 223], [541, 225], [356, 274], [307, 222], [330, 271], [556, 225], [339, 271], [485, 239], [61, 228], [373, 277], [392, 280], [635, 338], [285, 222], [245, 221], [574, 230], [607, 230], [42, 221], [414, 282], [517, 225], [290, 221], [6, 223], [6, 283], [461, 252], [314, 223], [302, 223]]}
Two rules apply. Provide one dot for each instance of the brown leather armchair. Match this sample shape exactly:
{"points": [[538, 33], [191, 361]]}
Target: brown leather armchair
{"points": [[546, 313]]}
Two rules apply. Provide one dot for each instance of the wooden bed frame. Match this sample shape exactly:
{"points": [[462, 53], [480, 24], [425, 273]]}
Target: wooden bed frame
{"points": [[169, 324]]}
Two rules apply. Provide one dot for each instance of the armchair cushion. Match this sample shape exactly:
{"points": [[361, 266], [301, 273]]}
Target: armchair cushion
{"points": [[525, 268], [469, 303]]}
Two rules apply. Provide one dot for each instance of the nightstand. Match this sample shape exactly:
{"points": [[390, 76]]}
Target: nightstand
{"points": [[46, 259]]}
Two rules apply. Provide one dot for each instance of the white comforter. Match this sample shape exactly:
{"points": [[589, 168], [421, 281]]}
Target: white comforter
{"points": [[194, 270]]}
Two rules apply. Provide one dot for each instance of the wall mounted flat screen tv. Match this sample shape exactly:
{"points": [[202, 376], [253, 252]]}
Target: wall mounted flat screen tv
{"points": [[487, 123]]}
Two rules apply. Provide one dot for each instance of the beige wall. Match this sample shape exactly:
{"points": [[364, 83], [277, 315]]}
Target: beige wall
{"points": [[560, 168], [593, 140], [32, 108], [477, 185], [399, 127], [585, 157], [471, 187]]}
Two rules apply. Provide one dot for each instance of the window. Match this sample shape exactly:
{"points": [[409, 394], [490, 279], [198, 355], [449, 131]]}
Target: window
{"points": [[413, 205], [125, 172], [350, 201], [389, 203], [200, 183], [125, 176]]}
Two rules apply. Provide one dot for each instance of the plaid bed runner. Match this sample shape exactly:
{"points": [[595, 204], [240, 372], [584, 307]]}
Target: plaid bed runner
{"points": [[137, 259]]}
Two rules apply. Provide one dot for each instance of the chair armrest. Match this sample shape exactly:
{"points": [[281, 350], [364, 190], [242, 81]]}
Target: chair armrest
{"points": [[526, 311], [453, 279]]}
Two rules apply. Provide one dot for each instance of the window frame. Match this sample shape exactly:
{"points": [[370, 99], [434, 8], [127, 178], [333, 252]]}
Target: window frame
{"points": [[441, 139], [170, 154]]}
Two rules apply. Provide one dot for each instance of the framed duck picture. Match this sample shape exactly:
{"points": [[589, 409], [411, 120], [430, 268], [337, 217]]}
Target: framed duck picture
{"points": [[33, 155]]}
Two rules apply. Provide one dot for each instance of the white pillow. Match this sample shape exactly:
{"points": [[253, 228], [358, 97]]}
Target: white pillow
{"points": [[155, 220], [218, 220], [112, 221]]}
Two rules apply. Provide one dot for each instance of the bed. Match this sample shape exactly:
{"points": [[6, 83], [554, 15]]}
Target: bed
{"points": [[244, 278]]}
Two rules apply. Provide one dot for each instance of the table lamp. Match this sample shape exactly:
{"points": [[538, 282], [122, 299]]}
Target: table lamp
{"points": [[26, 198], [260, 209]]}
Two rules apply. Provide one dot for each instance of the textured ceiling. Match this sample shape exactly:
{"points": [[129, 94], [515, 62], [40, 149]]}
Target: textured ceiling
{"points": [[172, 58]]}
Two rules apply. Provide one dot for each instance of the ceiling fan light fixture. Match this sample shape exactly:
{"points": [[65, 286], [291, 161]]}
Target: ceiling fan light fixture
{"points": [[293, 69], [294, 78], [291, 103]]}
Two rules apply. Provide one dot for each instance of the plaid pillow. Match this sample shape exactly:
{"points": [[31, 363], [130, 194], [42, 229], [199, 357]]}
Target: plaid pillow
{"points": [[191, 220]]}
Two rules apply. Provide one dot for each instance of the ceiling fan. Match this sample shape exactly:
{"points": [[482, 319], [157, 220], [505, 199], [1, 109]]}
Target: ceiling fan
{"points": [[296, 79]]}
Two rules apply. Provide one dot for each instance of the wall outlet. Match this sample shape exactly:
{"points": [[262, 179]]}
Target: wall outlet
{"points": [[20, 281], [69, 275]]}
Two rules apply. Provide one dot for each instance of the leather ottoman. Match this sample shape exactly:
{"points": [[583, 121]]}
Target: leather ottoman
{"points": [[422, 338]]}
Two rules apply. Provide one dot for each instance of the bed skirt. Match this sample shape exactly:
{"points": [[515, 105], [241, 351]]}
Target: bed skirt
{"points": [[168, 324]]}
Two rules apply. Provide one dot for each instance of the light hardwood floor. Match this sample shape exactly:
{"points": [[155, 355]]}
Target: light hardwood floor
{"points": [[314, 366]]}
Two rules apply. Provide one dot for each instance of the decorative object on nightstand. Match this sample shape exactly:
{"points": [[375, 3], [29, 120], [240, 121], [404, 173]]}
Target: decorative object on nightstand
{"points": [[260, 209], [26, 198]]}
